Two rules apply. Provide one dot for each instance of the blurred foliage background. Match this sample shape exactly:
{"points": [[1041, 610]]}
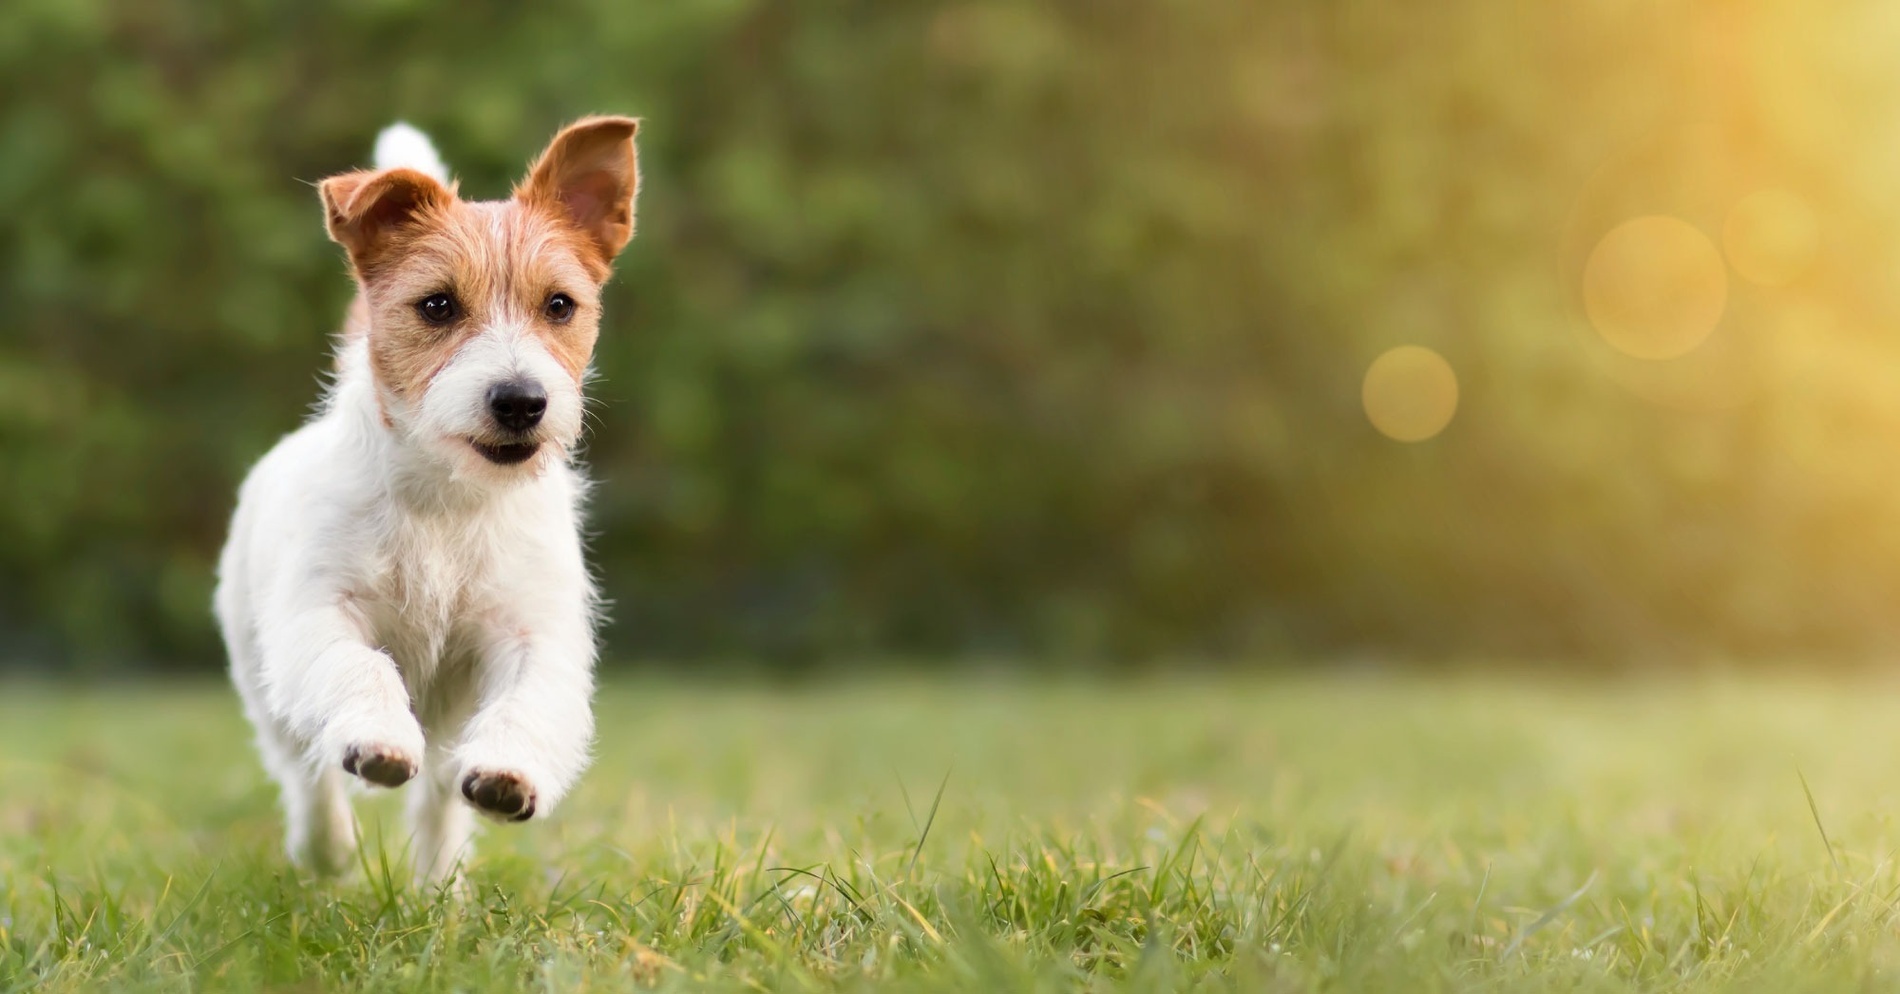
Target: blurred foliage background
{"points": [[1026, 331]]}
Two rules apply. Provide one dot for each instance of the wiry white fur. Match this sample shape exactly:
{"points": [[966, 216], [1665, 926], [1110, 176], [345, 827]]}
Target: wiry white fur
{"points": [[384, 586], [401, 145]]}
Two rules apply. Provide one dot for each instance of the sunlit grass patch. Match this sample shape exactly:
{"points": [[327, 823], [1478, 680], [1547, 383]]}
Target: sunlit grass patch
{"points": [[1243, 834]]}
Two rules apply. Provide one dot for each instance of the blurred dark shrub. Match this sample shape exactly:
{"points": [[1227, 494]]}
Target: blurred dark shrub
{"points": [[1020, 330]]}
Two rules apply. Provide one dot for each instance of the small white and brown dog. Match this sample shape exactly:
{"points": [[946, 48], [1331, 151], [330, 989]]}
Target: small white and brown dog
{"points": [[403, 594]]}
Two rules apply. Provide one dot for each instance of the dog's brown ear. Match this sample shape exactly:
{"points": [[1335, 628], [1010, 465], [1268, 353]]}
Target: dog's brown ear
{"points": [[590, 172], [364, 208]]}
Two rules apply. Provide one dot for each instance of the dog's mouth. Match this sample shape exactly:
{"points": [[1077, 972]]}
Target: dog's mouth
{"points": [[505, 453]]}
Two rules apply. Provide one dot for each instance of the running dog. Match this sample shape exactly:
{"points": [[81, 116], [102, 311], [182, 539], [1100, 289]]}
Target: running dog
{"points": [[403, 594]]}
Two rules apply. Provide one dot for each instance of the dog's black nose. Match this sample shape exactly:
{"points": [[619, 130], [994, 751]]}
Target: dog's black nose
{"points": [[517, 404]]}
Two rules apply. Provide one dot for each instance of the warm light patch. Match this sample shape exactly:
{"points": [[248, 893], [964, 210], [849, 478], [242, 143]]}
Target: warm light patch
{"points": [[1655, 287], [1410, 393], [1771, 237]]}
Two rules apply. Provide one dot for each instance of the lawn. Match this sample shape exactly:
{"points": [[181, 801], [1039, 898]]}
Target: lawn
{"points": [[1346, 834]]}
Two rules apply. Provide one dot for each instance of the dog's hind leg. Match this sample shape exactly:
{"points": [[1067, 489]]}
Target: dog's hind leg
{"points": [[320, 828], [444, 827]]}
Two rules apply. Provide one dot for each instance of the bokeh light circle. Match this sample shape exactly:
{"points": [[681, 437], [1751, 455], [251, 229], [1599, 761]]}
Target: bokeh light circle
{"points": [[1771, 237], [1410, 393], [1655, 287]]}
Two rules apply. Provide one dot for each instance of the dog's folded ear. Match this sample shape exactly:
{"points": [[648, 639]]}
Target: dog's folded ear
{"points": [[363, 209], [590, 172]]}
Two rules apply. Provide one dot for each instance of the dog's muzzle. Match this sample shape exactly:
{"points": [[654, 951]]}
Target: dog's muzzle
{"points": [[516, 407]]}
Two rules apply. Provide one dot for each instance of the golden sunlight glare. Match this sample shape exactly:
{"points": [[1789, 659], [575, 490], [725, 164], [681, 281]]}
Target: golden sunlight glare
{"points": [[1410, 393], [1655, 287]]}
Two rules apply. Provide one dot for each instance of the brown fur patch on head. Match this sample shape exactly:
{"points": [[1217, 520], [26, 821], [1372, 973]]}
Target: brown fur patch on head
{"points": [[500, 262], [409, 238]]}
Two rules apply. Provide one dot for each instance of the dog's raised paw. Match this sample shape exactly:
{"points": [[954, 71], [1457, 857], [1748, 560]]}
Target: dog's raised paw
{"points": [[383, 765], [500, 794]]}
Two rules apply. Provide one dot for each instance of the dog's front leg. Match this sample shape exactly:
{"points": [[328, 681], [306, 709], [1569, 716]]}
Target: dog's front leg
{"points": [[528, 741], [343, 700]]}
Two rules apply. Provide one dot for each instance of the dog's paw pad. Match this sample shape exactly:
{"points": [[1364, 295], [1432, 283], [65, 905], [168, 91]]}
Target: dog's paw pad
{"points": [[500, 794], [383, 765]]}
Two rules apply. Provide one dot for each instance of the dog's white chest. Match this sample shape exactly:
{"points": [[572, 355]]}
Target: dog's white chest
{"points": [[424, 581]]}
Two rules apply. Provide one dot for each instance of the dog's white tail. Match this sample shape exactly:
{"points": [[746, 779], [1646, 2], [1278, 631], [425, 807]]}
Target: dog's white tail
{"points": [[401, 145]]}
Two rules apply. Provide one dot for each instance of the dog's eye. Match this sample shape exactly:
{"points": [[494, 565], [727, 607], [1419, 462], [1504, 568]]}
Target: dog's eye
{"points": [[559, 308], [438, 308]]}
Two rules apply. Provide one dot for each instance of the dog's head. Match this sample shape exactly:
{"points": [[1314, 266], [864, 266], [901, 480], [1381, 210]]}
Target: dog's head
{"points": [[482, 315]]}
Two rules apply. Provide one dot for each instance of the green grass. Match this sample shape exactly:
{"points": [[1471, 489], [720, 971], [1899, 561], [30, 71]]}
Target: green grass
{"points": [[1282, 835]]}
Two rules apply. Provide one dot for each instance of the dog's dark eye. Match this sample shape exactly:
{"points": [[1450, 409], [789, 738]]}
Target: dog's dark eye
{"points": [[560, 307], [438, 308]]}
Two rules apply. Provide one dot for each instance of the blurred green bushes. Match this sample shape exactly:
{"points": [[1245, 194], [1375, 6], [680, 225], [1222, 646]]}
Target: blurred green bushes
{"points": [[1011, 329]]}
